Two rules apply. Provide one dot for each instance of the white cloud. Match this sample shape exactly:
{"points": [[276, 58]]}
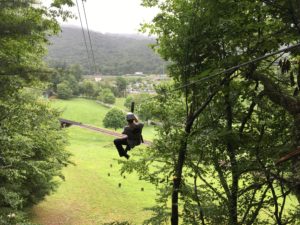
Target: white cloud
{"points": [[113, 16]]}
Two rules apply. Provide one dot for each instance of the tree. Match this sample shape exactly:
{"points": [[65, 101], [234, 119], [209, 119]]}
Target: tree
{"points": [[118, 54], [32, 144], [233, 116], [114, 119], [121, 84], [143, 105], [69, 75], [107, 96], [32, 153], [27, 39], [64, 91], [87, 88], [129, 99], [76, 70]]}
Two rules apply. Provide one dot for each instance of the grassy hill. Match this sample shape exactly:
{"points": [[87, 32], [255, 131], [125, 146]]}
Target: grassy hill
{"points": [[114, 54], [92, 113], [89, 196]]}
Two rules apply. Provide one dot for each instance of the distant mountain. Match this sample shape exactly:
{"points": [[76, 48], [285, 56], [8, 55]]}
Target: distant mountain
{"points": [[114, 53]]}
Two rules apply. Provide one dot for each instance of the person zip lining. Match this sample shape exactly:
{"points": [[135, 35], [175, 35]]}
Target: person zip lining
{"points": [[133, 132]]}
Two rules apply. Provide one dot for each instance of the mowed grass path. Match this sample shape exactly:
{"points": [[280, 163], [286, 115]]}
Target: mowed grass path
{"points": [[89, 196]]}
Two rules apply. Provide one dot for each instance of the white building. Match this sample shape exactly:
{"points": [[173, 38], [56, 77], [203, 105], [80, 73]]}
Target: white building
{"points": [[138, 73]]}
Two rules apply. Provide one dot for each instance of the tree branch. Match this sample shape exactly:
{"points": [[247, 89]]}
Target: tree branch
{"points": [[275, 94], [250, 111]]}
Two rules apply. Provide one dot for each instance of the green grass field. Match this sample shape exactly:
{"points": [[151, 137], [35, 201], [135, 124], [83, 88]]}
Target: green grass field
{"points": [[81, 110], [92, 113], [89, 196]]}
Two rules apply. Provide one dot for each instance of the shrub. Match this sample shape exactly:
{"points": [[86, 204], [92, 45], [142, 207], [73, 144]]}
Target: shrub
{"points": [[114, 118]]}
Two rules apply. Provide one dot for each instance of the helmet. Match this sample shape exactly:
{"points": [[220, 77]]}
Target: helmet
{"points": [[130, 116]]}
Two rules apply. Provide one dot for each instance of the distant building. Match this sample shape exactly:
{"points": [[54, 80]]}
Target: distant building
{"points": [[138, 73], [94, 77], [98, 79]]}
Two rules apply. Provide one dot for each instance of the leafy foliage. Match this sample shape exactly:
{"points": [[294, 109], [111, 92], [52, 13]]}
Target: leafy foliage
{"points": [[129, 99], [32, 152], [114, 119], [32, 144], [106, 96], [24, 28], [121, 84], [143, 105], [220, 137], [64, 91], [69, 77], [87, 89]]}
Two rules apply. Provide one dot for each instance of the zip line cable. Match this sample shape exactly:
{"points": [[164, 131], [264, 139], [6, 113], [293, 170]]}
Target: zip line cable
{"points": [[238, 66], [231, 69], [88, 30], [84, 38]]}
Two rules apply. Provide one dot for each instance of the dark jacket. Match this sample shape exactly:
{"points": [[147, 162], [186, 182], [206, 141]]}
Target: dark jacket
{"points": [[134, 133]]}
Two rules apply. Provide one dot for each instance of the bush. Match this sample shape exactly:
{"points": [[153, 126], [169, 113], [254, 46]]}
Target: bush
{"points": [[107, 96], [64, 91], [115, 118], [32, 153], [128, 101], [87, 88]]}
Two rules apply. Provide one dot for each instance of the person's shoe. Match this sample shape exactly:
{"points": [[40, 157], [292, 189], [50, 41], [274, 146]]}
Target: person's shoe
{"points": [[127, 156]]}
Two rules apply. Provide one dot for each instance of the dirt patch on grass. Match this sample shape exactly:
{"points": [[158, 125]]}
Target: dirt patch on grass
{"points": [[59, 215]]}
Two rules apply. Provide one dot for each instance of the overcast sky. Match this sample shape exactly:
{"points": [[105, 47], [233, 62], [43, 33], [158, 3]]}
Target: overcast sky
{"points": [[113, 16]]}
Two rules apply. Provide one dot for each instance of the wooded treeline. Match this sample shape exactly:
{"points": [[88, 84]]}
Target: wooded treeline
{"points": [[32, 145], [114, 54], [221, 135]]}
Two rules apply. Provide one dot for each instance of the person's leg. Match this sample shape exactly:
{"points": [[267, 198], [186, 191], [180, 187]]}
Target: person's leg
{"points": [[118, 143], [127, 148]]}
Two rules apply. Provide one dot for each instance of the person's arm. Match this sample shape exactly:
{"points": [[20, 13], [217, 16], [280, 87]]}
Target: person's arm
{"points": [[124, 131]]}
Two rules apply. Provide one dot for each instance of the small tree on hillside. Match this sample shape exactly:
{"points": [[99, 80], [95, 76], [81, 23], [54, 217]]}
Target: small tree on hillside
{"points": [[87, 88], [106, 96], [109, 98], [114, 119], [128, 101], [121, 84], [143, 105], [64, 91]]}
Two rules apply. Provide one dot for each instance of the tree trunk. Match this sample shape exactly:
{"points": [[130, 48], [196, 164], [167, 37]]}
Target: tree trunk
{"points": [[296, 160], [183, 149], [233, 218], [177, 181]]}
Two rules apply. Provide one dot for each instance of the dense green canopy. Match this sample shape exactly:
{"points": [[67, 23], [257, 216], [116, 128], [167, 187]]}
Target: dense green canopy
{"points": [[32, 144], [220, 138]]}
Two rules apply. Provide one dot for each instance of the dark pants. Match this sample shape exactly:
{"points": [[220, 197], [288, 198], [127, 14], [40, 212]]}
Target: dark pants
{"points": [[119, 142]]}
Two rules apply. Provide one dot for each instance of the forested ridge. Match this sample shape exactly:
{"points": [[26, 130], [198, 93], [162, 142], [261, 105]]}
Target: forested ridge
{"points": [[114, 53]]}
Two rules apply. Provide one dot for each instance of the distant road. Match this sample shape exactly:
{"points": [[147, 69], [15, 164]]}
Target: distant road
{"points": [[67, 123]]}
